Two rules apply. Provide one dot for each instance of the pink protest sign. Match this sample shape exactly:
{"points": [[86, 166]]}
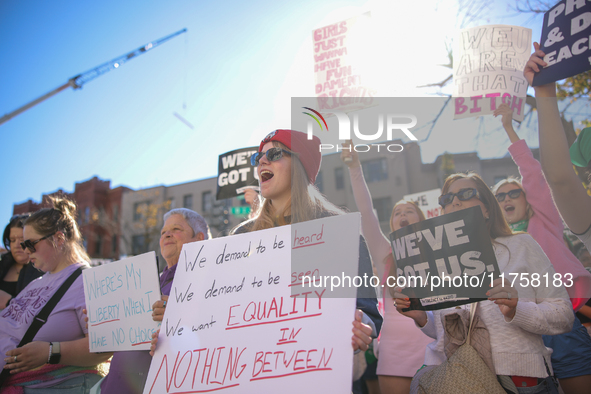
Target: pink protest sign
{"points": [[338, 55]]}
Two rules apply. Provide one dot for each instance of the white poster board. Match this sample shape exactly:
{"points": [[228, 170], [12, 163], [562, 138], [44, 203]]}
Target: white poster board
{"points": [[339, 52], [119, 298], [428, 201], [239, 320], [488, 70]]}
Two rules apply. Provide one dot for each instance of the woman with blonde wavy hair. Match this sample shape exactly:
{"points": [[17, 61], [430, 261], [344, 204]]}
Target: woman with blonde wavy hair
{"points": [[287, 165], [58, 357], [516, 317]]}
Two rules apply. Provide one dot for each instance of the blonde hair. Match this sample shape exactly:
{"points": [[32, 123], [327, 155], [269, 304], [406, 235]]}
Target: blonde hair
{"points": [[514, 181], [60, 218], [415, 206], [496, 223], [305, 202], [389, 259]]}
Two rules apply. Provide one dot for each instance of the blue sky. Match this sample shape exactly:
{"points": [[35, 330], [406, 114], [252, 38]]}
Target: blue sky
{"points": [[231, 75]]}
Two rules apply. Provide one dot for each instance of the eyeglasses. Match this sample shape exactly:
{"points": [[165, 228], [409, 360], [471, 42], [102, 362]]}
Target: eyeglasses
{"points": [[462, 195], [273, 154], [28, 244], [513, 194]]}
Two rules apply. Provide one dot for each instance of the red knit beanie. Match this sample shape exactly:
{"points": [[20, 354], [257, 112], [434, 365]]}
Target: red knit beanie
{"points": [[308, 150]]}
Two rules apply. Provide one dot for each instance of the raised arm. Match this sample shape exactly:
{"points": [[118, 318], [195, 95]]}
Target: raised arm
{"points": [[378, 244], [507, 120], [532, 179], [569, 194]]}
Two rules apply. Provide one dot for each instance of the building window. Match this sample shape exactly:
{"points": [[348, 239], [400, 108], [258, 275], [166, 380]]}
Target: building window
{"points": [[86, 214], [319, 183], [339, 176], [383, 207], [206, 202], [139, 210], [170, 203], [114, 244], [188, 201], [99, 245], [138, 244], [99, 216], [115, 213], [375, 170]]}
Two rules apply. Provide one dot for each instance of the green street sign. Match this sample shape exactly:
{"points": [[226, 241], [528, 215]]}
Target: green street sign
{"points": [[240, 211]]}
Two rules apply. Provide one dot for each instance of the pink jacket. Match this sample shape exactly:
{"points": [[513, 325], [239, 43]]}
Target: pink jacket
{"points": [[545, 225]]}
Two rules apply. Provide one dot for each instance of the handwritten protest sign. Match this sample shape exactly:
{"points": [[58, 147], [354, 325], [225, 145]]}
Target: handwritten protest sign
{"points": [[338, 49], [236, 320], [445, 261], [235, 172], [428, 201], [488, 70], [119, 298], [566, 41]]}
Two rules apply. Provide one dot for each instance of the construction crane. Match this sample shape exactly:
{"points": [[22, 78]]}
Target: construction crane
{"points": [[79, 80]]}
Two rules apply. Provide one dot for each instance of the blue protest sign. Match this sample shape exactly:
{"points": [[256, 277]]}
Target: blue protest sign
{"points": [[566, 36]]}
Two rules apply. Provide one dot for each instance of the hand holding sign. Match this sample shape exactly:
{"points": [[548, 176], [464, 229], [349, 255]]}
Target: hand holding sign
{"points": [[158, 308], [154, 342], [402, 304], [361, 333], [505, 296], [251, 196], [534, 64]]}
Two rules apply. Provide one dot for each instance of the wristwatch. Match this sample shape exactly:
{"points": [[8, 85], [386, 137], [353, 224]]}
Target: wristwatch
{"points": [[55, 356]]}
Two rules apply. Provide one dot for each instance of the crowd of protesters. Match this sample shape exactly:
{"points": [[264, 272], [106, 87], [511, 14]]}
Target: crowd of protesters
{"points": [[535, 335]]}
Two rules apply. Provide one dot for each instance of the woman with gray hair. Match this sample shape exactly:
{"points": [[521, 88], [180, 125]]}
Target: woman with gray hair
{"points": [[129, 369], [196, 221]]}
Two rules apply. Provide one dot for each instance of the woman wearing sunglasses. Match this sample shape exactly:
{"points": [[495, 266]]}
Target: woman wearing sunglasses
{"points": [[399, 339], [528, 206], [15, 270], [287, 165], [58, 357], [516, 318]]}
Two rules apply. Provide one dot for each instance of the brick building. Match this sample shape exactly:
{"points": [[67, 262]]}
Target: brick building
{"points": [[121, 221], [99, 210]]}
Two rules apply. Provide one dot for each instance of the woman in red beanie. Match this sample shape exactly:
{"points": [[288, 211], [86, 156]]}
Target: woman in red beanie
{"points": [[287, 164]]}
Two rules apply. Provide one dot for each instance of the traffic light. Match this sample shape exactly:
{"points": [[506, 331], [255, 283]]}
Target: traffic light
{"points": [[220, 216]]}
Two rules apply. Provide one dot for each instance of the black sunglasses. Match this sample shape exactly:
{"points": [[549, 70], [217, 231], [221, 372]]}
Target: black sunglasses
{"points": [[513, 194], [462, 195], [273, 154], [28, 244]]}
